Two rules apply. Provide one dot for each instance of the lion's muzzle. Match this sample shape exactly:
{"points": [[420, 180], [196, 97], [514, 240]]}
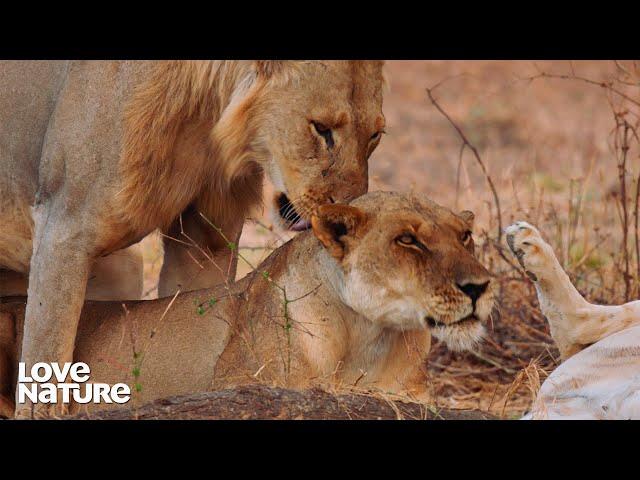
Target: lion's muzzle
{"points": [[289, 215]]}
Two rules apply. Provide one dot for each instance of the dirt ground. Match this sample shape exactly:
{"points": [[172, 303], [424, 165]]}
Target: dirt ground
{"points": [[259, 402], [552, 149]]}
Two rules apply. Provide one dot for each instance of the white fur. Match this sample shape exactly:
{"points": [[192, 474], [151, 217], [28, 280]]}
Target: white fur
{"points": [[403, 313], [380, 307], [458, 337], [275, 175], [601, 381]]}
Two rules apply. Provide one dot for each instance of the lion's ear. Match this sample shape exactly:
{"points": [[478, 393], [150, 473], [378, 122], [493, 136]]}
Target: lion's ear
{"points": [[334, 224], [467, 216]]}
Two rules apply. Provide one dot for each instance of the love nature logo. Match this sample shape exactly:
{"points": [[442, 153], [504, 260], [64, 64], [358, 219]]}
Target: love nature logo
{"points": [[47, 383]]}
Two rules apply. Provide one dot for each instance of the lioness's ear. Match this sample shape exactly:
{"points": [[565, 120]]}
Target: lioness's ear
{"points": [[334, 224], [467, 216]]}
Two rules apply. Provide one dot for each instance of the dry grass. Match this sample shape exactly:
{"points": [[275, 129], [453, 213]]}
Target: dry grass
{"points": [[558, 140]]}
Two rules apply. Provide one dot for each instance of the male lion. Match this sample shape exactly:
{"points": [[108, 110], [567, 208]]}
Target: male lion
{"points": [[94, 155], [354, 303]]}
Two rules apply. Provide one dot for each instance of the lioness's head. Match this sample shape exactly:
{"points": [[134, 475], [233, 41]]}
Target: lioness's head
{"points": [[408, 263], [312, 127]]}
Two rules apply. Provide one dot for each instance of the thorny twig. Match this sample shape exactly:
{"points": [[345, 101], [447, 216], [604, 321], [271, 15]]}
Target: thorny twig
{"points": [[608, 85], [467, 144], [286, 301], [622, 144]]}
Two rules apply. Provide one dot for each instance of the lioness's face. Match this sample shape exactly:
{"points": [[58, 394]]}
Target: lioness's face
{"points": [[408, 263], [323, 125]]}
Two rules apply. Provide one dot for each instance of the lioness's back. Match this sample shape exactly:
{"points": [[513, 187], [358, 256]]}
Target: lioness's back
{"points": [[173, 351]]}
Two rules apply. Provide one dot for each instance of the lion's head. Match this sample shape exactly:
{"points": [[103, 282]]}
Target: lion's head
{"points": [[312, 127], [408, 263]]}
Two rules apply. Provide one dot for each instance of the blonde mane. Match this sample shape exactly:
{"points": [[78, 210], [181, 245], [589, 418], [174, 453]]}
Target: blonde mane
{"points": [[171, 149]]}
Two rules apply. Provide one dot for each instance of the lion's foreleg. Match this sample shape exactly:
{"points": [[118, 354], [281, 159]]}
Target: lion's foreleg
{"points": [[13, 283], [8, 359], [582, 323], [118, 276], [600, 321], [60, 267], [196, 255]]}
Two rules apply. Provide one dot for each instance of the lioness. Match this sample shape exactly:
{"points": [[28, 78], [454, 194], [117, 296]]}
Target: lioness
{"points": [[94, 155], [354, 303], [599, 344]]}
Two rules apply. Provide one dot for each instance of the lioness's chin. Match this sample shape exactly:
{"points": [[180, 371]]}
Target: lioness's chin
{"points": [[460, 336]]}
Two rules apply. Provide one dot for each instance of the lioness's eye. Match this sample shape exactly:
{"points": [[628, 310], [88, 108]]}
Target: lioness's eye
{"points": [[324, 132], [466, 238]]}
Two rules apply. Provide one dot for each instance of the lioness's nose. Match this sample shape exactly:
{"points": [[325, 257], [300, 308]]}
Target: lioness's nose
{"points": [[473, 290]]}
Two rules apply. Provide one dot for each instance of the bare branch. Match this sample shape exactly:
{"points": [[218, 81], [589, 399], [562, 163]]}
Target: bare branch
{"points": [[467, 144], [608, 85]]}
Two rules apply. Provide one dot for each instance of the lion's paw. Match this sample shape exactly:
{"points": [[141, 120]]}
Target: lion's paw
{"points": [[527, 245]]}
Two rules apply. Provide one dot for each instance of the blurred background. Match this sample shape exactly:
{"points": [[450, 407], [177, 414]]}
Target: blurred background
{"points": [[559, 142]]}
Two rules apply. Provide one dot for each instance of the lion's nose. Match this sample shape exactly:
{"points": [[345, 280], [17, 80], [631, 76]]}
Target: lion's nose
{"points": [[474, 290]]}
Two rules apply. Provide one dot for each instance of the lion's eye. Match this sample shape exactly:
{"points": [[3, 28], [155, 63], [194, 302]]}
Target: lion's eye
{"points": [[406, 239], [466, 238], [409, 240], [324, 132], [377, 135]]}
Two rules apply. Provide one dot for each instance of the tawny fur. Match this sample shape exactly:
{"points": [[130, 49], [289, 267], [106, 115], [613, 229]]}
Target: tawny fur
{"points": [[600, 344], [94, 155], [370, 334], [178, 96], [119, 275]]}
